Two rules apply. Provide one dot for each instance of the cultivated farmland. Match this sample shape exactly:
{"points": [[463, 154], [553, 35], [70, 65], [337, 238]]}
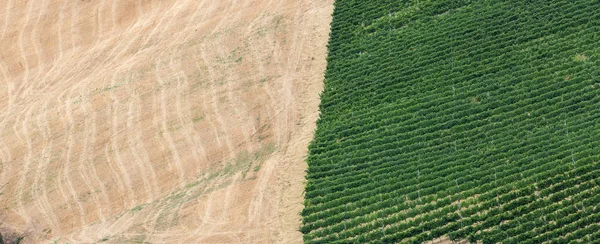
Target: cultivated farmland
{"points": [[157, 121], [468, 120]]}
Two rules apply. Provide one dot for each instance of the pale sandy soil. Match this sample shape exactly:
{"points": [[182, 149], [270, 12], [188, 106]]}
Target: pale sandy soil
{"points": [[165, 121], [445, 240]]}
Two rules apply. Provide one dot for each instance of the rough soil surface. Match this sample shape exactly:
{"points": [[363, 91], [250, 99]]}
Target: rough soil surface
{"points": [[177, 121]]}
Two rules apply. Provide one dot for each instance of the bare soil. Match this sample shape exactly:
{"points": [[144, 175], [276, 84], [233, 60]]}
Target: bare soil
{"points": [[139, 121]]}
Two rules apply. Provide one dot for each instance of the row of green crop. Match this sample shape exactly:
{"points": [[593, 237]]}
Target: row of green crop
{"points": [[492, 196], [477, 48], [410, 74], [352, 172], [481, 174], [471, 119]]}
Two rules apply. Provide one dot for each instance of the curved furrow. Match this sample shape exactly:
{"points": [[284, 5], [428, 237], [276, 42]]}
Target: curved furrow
{"points": [[5, 162], [228, 202], [113, 10], [293, 67], [72, 22], [116, 176], [214, 221], [85, 164], [187, 118], [183, 116], [64, 156], [273, 117], [82, 161], [7, 17], [172, 15], [281, 121], [156, 27], [15, 128], [207, 108], [165, 130], [191, 135], [224, 217], [197, 137], [260, 189], [205, 222], [230, 94], [23, 54], [254, 48], [110, 56], [140, 148], [206, 217], [67, 168], [65, 74], [65, 117], [74, 18], [98, 69], [185, 27], [40, 190], [214, 107], [263, 11], [62, 77], [207, 213], [223, 15], [277, 52], [158, 134], [114, 138], [74, 77], [150, 221], [34, 38], [120, 48], [10, 87], [262, 74], [153, 220], [274, 104], [99, 21], [256, 202], [131, 146], [21, 188], [45, 86], [88, 157], [121, 224], [5, 152], [59, 31], [294, 56]]}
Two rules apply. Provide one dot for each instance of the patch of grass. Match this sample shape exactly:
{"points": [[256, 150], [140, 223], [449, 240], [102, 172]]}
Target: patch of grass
{"points": [[244, 160], [198, 118], [581, 58], [277, 21], [138, 207]]}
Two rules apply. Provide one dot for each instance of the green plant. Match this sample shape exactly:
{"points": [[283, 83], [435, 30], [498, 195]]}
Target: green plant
{"points": [[467, 119]]}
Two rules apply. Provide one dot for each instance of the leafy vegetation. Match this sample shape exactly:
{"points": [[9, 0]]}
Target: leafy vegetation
{"points": [[475, 120]]}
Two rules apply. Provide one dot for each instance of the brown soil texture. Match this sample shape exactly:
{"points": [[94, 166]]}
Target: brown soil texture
{"points": [[158, 121]]}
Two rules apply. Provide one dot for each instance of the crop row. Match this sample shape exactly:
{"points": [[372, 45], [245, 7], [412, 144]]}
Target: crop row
{"points": [[475, 120]]}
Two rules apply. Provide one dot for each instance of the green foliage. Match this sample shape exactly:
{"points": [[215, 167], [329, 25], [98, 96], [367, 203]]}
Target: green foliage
{"points": [[476, 120]]}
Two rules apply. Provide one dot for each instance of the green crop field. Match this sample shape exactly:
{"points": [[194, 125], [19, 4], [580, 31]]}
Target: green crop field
{"points": [[472, 120]]}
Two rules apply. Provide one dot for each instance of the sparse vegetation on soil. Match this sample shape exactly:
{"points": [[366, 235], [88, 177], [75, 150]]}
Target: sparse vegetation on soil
{"points": [[157, 121]]}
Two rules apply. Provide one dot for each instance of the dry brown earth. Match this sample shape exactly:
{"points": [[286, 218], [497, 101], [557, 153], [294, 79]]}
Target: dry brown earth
{"points": [[163, 121]]}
